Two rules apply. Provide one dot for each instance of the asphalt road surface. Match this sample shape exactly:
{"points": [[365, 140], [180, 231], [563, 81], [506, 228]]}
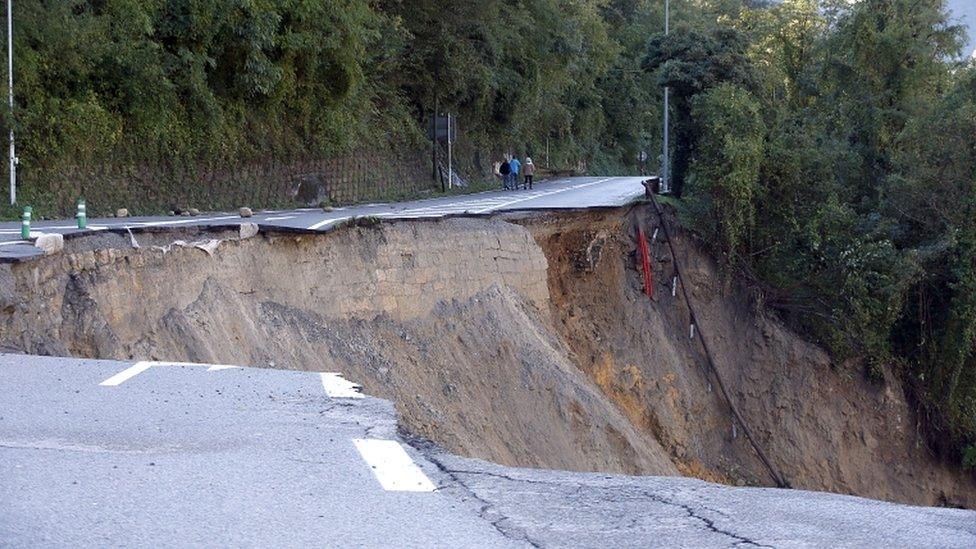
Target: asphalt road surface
{"points": [[98, 453], [566, 193]]}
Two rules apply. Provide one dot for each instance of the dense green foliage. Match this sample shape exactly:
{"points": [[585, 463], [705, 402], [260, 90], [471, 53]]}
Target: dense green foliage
{"points": [[190, 90], [831, 154], [827, 149]]}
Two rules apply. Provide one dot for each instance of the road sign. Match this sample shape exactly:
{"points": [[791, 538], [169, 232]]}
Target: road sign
{"points": [[437, 129]]}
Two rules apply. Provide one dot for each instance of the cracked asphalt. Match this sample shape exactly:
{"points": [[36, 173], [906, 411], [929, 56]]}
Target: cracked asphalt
{"points": [[556, 194], [191, 455]]}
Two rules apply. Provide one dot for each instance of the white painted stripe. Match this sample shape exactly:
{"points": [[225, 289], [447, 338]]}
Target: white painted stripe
{"points": [[338, 387], [69, 227], [391, 465], [15, 242], [59, 228], [408, 215], [182, 221], [325, 222], [126, 374], [280, 217], [144, 365], [218, 367], [532, 197], [210, 367], [437, 211]]}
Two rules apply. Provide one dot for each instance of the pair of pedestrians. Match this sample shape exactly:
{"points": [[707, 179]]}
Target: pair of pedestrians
{"points": [[509, 170]]}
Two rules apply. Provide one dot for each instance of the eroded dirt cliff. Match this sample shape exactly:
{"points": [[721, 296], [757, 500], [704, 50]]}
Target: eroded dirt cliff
{"points": [[523, 340]]}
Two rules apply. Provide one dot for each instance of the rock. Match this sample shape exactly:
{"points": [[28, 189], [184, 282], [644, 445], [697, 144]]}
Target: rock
{"points": [[210, 246], [193, 211], [246, 212], [172, 213], [185, 213], [50, 243], [248, 230], [327, 208], [9, 298], [122, 212]]}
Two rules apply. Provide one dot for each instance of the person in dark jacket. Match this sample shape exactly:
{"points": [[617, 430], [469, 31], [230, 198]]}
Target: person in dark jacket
{"points": [[505, 170]]}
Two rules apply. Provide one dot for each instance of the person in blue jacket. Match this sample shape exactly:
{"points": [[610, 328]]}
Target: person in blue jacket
{"points": [[515, 166]]}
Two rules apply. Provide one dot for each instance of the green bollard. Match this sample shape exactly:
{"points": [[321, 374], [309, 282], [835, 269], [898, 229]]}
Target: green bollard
{"points": [[82, 214], [25, 224]]}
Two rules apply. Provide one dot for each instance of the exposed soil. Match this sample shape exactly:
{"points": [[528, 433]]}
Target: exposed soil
{"points": [[823, 425], [524, 340]]}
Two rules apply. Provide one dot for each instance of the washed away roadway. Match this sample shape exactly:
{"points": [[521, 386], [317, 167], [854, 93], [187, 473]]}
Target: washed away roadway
{"points": [[566, 193], [99, 453]]}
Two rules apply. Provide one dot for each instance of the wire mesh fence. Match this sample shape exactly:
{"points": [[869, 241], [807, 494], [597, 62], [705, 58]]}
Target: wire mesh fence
{"points": [[175, 184]]}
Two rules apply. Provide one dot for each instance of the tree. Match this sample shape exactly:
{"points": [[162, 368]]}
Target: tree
{"points": [[723, 182], [691, 61]]}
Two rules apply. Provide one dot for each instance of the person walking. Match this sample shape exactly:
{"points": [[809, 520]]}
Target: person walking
{"points": [[516, 166], [505, 170], [529, 171]]}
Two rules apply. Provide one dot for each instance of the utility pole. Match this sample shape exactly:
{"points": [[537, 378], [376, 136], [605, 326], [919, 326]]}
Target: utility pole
{"points": [[10, 86], [666, 168]]}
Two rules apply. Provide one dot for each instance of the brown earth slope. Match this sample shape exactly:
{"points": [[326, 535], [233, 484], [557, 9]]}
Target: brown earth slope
{"points": [[524, 340], [824, 426]]}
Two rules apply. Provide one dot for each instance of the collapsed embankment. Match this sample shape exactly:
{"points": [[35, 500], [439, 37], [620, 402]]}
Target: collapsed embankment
{"points": [[523, 339]]}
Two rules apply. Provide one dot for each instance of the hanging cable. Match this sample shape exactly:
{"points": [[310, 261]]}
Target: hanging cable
{"points": [[777, 477]]}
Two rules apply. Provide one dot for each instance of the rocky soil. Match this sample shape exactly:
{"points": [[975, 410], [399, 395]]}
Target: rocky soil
{"points": [[524, 340]]}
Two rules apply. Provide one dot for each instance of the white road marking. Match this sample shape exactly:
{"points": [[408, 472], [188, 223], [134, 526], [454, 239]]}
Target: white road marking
{"points": [[69, 227], [405, 215], [58, 228], [182, 221], [15, 242], [548, 193], [325, 222], [280, 217], [392, 467], [338, 387], [218, 367], [144, 365], [126, 374]]}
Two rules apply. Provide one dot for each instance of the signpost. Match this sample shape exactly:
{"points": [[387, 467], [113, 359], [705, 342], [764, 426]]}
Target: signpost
{"points": [[444, 129], [450, 172]]}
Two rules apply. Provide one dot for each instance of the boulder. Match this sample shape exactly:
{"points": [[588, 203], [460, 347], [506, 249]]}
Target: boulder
{"points": [[248, 230], [246, 212], [50, 243], [122, 212]]}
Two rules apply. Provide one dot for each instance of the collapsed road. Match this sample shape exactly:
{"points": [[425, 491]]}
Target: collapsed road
{"points": [[566, 193], [108, 453], [508, 327]]}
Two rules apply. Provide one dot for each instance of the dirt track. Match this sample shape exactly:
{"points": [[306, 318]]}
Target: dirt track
{"points": [[522, 340]]}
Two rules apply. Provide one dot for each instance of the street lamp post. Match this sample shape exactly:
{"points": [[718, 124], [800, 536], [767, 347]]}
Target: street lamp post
{"points": [[10, 97], [665, 164]]}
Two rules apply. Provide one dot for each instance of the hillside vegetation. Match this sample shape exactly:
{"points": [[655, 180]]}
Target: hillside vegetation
{"points": [[825, 148]]}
